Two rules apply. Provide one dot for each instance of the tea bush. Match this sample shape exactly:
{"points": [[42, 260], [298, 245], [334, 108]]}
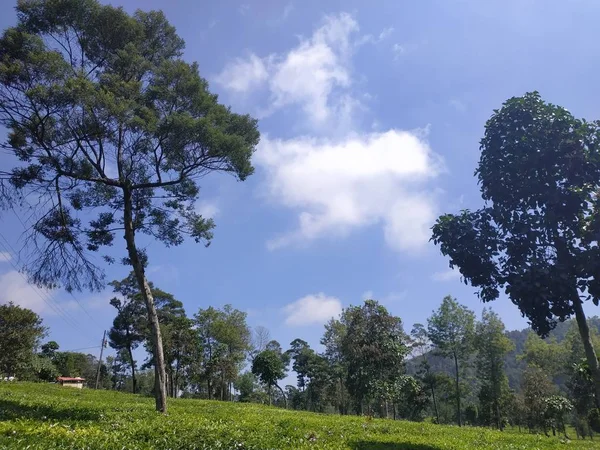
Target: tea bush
{"points": [[45, 416]]}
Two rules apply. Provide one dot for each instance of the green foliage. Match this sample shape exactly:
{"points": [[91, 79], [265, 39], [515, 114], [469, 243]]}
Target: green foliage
{"points": [[270, 367], [222, 338], [538, 172], [492, 345], [556, 408], [451, 329], [537, 388], [41, 416], [410, 397], [104, 114], [20, 333], [373, 348]]}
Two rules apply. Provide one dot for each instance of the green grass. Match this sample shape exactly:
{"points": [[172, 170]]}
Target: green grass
{"points": [[41, 416]]}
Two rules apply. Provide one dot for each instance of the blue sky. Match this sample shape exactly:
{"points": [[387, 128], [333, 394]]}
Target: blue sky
{"points": [[370, 114]]}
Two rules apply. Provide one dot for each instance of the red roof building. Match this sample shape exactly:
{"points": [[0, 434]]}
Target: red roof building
{"points": [[76, 382]]}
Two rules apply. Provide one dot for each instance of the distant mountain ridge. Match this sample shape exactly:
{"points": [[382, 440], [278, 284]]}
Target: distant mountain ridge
{"points": [[513, 365]]}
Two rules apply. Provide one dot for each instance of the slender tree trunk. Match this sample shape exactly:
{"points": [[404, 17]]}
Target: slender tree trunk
{"points": [[176, 379], [342, 399], [457, 391], [222, 386], [496, 389], [133, 378], [138, 268], [435, 408], [270, 400], [283, 394], [590, 353], [209, 372]]}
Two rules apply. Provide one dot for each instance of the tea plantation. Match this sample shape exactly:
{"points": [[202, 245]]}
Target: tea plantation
{"points": [[42, 416]]}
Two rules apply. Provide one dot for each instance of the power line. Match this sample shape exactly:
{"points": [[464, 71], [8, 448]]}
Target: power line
{"points": [[79, 349]]}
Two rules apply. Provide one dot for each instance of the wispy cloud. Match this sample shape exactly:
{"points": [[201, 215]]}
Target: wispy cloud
{"points": [[458, 105], [446, 275], [306, 76], [207, 209], [5, 257], [243, 9], [312, 309], [398, 50]]}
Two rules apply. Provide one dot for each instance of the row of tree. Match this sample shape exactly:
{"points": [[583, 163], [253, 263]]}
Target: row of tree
{"points": [[368, 364]]}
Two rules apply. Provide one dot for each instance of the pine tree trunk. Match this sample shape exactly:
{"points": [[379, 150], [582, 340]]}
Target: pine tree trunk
{"points": [[437, 414], [457, 391], [138, 268], [133, 378], [590, 353]]}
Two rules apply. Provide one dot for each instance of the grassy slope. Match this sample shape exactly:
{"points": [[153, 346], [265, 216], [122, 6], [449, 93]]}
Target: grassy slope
{"points": [[42, 416]]}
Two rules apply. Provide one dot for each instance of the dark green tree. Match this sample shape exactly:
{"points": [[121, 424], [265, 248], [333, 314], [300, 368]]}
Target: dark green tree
{"points": [[270, 367], [332, 339], [421, 347], [224, 338], [374, 348], [248, 388], [536, 387], [492, 345], [20, 333], [126, 332], [451, 330], [113, 130], [409, 398], [300, 354], [49, 349], [537, 234]]}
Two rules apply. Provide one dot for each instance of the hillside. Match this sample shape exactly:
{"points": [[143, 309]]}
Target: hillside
{"points": [[44, 416], [514, 367]]}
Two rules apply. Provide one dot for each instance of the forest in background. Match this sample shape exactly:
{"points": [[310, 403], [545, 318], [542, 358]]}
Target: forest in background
{"points": [[367, 364]]}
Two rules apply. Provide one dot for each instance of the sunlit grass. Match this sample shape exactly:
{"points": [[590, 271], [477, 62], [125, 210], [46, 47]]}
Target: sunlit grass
{"points": [[42, 416]]}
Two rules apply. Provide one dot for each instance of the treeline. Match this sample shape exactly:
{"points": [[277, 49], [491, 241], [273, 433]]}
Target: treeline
{"points": [[451, 370], [22, 356]]}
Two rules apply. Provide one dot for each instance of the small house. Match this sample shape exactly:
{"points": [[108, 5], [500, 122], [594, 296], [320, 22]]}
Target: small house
{"points": [[75, 382]]}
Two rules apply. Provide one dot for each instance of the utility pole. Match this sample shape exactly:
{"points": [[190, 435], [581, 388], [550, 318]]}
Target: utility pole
{"points": [[100, 360]]}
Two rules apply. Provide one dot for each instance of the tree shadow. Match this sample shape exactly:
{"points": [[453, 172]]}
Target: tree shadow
{"points": [[11, 410], [375, 445]]}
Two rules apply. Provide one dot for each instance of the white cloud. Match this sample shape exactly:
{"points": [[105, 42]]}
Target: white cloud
{"points": [[398, 50], [335, 187], [244, 74], [207, 209], [367, 295], [287, 11], [385, 33], [370, 39], [312, 309], [244, 8], [15, 288], [306, 76], [446, 275], [458, 105], [5, 257]]}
